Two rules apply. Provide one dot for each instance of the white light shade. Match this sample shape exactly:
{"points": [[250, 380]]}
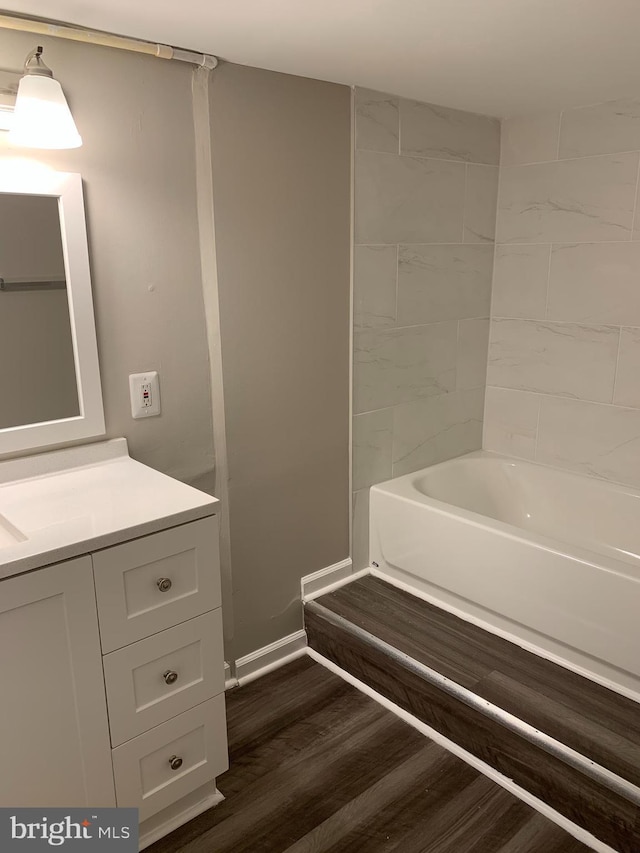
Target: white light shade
{"points": [[42, 118]]}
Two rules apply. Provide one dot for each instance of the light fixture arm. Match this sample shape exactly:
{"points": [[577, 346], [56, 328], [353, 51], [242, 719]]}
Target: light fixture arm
{"points": [[34, 65]]}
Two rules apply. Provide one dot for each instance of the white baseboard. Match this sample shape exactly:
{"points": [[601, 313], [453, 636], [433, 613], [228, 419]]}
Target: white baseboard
{"points": [[486, 769], [328, 579], [270, 657]]}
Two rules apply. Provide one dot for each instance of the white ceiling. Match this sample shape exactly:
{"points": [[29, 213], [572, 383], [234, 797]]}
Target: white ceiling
{"points": [[499, 57]]}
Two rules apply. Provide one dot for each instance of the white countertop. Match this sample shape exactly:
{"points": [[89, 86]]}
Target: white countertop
{"points": [[58, 505]]}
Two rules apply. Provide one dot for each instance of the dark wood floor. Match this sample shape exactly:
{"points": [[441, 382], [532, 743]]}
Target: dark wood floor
{"points": [[600, 724], [596, 722], [317, 767]]}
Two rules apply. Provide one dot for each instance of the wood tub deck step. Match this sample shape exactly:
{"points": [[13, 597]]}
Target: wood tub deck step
{"points": [[567, 740]]}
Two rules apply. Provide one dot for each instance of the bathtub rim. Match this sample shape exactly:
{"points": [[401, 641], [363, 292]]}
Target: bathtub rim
{"points": [[403, 488], [481, 453]]}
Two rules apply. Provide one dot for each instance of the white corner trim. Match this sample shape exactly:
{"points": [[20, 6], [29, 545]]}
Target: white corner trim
{"points": [[486, 769], [317, 581], [327, 579], [229, 680], [270, 657]]}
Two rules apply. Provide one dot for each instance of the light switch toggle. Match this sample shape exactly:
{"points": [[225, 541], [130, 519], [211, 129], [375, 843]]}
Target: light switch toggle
{"points": [[144, 389]]}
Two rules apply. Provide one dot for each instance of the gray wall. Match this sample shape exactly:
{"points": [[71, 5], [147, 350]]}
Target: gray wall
{"points": [[565, 332], [425, 199], [137, 163], [281, 160]]}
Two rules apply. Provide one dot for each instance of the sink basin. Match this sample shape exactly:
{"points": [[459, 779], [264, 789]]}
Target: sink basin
{"points": [[9, 535]]}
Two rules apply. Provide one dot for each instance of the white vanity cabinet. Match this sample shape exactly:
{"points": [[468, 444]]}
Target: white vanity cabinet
{"points": [[111, 661]]}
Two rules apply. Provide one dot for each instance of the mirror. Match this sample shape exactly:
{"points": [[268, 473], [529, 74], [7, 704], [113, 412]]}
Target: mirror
{"points": [[49, 379], [34, 314]]}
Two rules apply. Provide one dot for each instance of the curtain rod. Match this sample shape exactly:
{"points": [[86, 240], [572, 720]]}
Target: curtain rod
{"points": [[66, 31]]}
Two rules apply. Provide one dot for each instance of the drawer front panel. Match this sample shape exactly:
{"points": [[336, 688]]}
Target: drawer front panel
{"points": [[161, 676], [157, 581], [196, 744]]}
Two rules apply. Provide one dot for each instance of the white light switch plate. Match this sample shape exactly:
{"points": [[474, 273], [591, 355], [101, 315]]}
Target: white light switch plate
{"points": [[144, 389]]}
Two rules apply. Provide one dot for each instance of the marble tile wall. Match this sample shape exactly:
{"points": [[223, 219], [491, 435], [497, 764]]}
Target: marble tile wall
{"points": [[564, 356], [426, 181]]}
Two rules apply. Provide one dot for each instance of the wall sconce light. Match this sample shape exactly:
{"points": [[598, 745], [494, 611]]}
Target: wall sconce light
{"points": [[42, 118]]}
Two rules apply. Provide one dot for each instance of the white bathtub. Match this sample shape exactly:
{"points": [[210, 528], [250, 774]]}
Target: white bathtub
{"points": [[544, 557]]}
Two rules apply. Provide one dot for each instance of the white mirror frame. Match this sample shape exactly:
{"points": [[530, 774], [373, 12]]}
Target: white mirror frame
{"points": [[67, 188]]}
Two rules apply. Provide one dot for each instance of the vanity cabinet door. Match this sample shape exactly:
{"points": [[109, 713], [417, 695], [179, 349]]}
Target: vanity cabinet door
{"points": [[54, 738]]}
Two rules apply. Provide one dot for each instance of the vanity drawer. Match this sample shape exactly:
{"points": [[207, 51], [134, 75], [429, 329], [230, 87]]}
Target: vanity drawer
{"points": [[142, 767], [156, 582], [159, 677]]}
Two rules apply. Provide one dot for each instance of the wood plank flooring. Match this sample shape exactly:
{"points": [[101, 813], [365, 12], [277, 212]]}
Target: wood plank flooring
{"points": [[318, 767], [598, 723], [595, 721]]}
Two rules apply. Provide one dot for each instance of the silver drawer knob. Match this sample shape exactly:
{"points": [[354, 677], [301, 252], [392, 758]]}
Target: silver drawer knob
{"points": [[175, 763], [164, 584], [170, 676]]}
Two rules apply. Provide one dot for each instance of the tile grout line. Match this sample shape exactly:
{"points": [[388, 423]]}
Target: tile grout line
{"points": [[564, 397], [369, 330], [394, 417], [615, 372], [514, 243], [395, 316], [461, 161], [537, 439], [566, 159], [394, 409], [457, 361], [635, 201], [464, 201], [546, 322], [352, 318], [559, 135], [485, 406], [420, 400], [548, 285], [584, 323]]}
